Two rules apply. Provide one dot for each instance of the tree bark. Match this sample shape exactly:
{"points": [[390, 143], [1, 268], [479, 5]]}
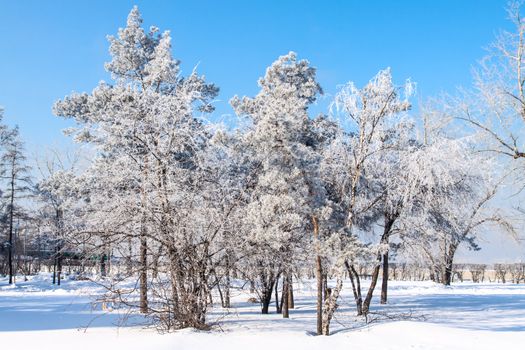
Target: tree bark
{"points": [[143, 274], [129, 258], [267, 282], [356, 287], [219, 290], [54, 268], [285, 297], [144, 244], [266, 299], [319, 277], [370, 293], [277, 305], [389, 222], [227, 299], [384, 283], [291, 303], [103, 270], [227, 302], [331, 306], [59, 264], [448, 265], [11, 214]]}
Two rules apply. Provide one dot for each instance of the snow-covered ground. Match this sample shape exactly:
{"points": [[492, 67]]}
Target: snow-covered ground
{"points": [[420, 315]]}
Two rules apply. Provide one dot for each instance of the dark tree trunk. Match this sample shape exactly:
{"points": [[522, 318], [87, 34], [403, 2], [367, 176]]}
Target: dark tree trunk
{"points": [[143, 284], [129, 259], [103, 265], [448, 265], [266, 298], [447, 275], [59, 264], [356, 287], [389, 222], [11, 214], [291, 303], [277, 306], [370, 293], [143, 274], [319, 278], [267, 281], [384, 283], [54, 268], [285, 297], [227, 302], [325, 286]]}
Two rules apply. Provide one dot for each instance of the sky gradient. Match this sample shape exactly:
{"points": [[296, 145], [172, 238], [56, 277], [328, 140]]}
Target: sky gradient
{"points": [[51, 48]]}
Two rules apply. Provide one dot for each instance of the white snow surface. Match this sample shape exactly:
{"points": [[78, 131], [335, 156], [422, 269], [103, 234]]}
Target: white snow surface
{"points": [[419, 315]]}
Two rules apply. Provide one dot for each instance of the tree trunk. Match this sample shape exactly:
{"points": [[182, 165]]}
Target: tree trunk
{"points": [[291, 303], [448, 265], [103, 265], [227, 299], [143, 274], [227, 302], [54, 267], [285, 297], [144, 244], [356, 287], [389, 222], [277, 305], [325, 286], [11, 214], [219, 290], [59, 264], [155, 267], [129, 258], [266, 298], [447, 274], [267, 282], [331, 306], [319, 277], [370, 293], [384, 283]]}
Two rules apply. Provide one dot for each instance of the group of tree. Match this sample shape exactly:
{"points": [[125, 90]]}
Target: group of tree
{"points": [[186, 205]]}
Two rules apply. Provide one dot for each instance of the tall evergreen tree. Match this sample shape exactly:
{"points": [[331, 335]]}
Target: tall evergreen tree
{"points": [[15, 173]]}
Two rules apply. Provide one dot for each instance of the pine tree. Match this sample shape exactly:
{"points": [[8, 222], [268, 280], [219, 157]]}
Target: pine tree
{"points": [[17, 180]]}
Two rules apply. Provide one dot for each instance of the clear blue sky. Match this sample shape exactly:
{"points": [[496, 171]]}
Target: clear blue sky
{"points": [[50, 48]]}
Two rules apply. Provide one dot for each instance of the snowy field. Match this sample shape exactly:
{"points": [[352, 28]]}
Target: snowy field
{"points": [[420, 315]]}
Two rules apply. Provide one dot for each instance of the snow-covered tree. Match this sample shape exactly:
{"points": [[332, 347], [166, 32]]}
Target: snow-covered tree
{"points": [[58, 203], [286, 193], [15, 173], [373, 116], [455, 187], [145, 127], [495, 107]]}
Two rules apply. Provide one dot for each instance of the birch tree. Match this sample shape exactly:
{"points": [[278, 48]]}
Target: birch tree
{"points": [[371, 113]]}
